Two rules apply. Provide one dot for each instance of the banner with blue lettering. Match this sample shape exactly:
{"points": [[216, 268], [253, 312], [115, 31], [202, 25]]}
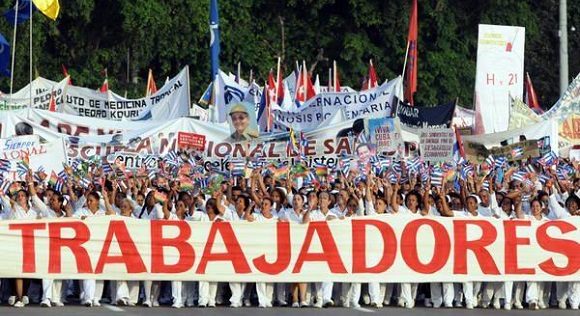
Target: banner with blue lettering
{"points": [[374, 103]]}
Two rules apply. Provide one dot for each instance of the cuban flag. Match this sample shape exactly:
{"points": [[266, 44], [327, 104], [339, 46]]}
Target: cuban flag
{"points": [[5, 165], [548, 159], [414, 164], [517, 152], [238, 167]]}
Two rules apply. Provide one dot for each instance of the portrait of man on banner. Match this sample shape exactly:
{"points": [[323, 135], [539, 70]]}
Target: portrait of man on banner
{"points": [[243, 124]]}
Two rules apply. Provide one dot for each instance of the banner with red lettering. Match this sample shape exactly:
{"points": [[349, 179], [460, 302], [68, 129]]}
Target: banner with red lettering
{"points": [[384, 248]]}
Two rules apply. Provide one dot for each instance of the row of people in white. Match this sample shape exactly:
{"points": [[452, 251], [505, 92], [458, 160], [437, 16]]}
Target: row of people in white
{"points": [[316, 208]]}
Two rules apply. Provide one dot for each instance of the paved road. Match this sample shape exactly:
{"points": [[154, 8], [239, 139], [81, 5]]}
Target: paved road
{"points": [[253, 311]]}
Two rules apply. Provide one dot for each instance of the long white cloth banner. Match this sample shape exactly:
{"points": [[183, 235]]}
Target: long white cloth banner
{"points": [[169, 102], [374, 103], [385, 248], [42, 90]]}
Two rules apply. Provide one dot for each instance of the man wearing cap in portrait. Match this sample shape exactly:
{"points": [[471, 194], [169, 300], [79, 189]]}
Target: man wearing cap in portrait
{"points": [[240, 121]]}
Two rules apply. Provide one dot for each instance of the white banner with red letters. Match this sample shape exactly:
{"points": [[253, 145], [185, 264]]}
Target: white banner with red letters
{"points": [[384, 248]]}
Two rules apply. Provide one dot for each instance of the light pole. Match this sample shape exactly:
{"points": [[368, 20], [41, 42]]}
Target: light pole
{"points": [[563, 32]]}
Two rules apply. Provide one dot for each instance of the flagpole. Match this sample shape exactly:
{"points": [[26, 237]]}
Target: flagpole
{"points": [[405, 64], [30, 62], [13, 50]]}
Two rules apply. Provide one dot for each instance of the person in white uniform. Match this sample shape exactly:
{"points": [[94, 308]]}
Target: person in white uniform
{"points": [[323, 290], [265, 290], [92, 290], [412, 208]]}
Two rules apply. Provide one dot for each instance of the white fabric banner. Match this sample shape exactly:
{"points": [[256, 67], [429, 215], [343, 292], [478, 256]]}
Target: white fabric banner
{"points": [[42, 90], [384, 248], [169, 102], [373, 103], [500, 73]]}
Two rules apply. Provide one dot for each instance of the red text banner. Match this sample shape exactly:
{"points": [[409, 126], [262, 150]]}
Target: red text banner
{"points": [[371, 249]]}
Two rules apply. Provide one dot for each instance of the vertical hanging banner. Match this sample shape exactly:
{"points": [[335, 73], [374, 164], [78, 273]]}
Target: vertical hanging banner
{"points": [[500, 73]]}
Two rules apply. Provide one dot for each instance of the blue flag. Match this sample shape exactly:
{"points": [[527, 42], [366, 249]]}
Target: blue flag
{"points": [[22, 11], [4, 57], [214, 44]]}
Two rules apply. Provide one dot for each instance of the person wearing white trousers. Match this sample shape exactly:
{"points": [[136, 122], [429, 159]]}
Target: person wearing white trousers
{"points": [[92, 290], [536, 290], [574, 295], [442, 294], [207, 293], [265, 290], [51, 293], [381, 293], [127, 293]]}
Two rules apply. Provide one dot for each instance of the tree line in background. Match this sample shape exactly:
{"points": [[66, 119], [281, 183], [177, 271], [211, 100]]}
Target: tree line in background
{"points": [[127, 37]]}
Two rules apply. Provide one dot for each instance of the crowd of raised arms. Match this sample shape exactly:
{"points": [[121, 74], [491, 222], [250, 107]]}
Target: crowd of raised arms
{"points": [[533, 190]]}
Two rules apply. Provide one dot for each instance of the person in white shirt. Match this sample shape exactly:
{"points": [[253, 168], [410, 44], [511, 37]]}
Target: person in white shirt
{"points": [[208, 290], [380, 292], [436, 203], [535, 291], [92, 290], [295, 214], [127, 291], [180, 291], [152, 210], [265, 290], [51, 289], [323, 290], [20, 208], [411, 207]]}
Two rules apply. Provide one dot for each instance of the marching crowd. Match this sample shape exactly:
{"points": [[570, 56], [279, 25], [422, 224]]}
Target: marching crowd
{"points": [[531, 191]]}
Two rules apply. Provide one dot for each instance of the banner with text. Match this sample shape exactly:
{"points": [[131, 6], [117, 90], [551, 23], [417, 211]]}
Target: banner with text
{"points": [[373, 103], [499, 75], [388, 248], [436, 144]]}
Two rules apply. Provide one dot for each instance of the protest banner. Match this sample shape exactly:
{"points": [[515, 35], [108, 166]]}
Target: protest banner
{"points": [[436, 144], [500, 73], [187, 140], [463, 119], [373, 103], [517, 151], [374, 249], [436, 116], [385, 134], [42, 91], [169, 102], [523, 150], [47, 156], [521, 115]]}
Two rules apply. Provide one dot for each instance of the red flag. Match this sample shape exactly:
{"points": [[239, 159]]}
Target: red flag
{"points": [[336, 78], [373, 80], [304, 87], [52, 104], [531, 97], [478, 127], [65, 73], [459, 142], [271, 98], [151, 86], [411, 67], [105, 86]]}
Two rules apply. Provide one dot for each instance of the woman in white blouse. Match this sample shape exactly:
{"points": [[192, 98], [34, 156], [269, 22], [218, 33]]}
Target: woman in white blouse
{"points": [[411, 207], [296, 215], [20, 208], [92, 290]]}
